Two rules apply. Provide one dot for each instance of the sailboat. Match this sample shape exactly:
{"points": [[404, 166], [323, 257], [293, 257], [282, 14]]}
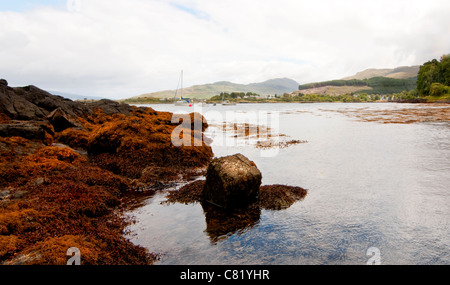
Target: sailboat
{"points": [[183, 101]]}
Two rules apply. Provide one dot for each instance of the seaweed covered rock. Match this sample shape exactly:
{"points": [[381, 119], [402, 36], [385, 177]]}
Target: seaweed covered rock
{"points": [[232, 182], [127, 145], [65, 168], [53, 193], [75, 138], [279, 197]]}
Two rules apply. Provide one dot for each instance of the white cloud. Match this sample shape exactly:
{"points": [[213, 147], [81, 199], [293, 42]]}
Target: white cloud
{"points": [[124, 48]]}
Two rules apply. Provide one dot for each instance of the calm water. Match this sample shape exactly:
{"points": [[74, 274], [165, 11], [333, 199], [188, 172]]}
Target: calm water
{"points": [[369, 185]]}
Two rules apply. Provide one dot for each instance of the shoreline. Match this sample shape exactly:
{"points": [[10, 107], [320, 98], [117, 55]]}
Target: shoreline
{"points": [[305, 102]]}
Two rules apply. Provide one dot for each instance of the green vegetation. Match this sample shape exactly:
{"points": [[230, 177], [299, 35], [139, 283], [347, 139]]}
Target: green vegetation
{"points": [[234, 96], [433, 81], [351, 82], [364, 97], [379, 85], [406, 96], [146, 100]]}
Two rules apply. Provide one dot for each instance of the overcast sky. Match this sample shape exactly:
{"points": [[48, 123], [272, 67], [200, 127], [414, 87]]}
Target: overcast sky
{"points": [[122, 48]]}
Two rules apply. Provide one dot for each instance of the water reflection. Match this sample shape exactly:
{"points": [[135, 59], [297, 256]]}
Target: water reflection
{"points": [[220, 223]]}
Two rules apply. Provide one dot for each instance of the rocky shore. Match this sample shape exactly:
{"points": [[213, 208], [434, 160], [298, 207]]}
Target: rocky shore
{"points": [[69, 169], [66, 168]]}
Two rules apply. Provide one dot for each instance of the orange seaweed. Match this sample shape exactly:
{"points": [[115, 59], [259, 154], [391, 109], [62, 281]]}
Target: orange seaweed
{"points": [[74, 138], [54, 198], [4, 119]]}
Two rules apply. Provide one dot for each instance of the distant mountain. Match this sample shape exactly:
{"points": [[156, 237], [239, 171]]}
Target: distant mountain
{"points": [[402, 72], [270, 87]]}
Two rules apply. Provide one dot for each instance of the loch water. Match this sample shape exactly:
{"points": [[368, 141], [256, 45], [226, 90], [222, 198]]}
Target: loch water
{"points": [[375, 190]]}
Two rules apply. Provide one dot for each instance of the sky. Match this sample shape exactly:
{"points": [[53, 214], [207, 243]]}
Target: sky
{"points": [[122, 48]]}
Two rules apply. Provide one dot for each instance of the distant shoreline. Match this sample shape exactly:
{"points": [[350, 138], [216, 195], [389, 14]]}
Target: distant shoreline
{"points": [[305, 102]]}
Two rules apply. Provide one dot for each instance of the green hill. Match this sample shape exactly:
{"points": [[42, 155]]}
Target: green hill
{"points": [[270, 87], [375, 85], [370, 81], [402, 72]]}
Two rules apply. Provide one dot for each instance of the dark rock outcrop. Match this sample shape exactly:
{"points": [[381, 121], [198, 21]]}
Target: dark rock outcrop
{"points": [[60, 120], [232, 182], [17, 107], [35, 131], [48, 102], [32, 103], [111, 107]]}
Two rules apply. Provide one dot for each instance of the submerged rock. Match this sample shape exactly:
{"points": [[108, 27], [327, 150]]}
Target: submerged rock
{"points": [[232, 182], [279, 197]]}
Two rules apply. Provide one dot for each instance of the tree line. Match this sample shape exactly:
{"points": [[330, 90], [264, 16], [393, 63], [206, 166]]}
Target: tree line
{"points": [[434, 77], [233, 95]]}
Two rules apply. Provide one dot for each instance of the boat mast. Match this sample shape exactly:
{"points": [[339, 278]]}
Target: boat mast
{"points": [[181, 84]]}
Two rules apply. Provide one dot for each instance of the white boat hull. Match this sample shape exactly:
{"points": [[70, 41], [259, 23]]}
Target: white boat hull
{"points": [[183, 103]]}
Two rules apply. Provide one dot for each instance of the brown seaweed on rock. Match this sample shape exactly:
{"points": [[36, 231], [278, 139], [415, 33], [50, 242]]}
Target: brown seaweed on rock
{"points": [[278, 197], [65, 174], [54, 194], [127, 145]]}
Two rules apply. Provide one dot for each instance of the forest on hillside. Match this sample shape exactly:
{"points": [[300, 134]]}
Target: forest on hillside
{"points": [[379, 85]]}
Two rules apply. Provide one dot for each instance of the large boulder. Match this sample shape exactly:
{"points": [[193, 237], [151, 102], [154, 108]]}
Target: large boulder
{"points": [[232, 182]]}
